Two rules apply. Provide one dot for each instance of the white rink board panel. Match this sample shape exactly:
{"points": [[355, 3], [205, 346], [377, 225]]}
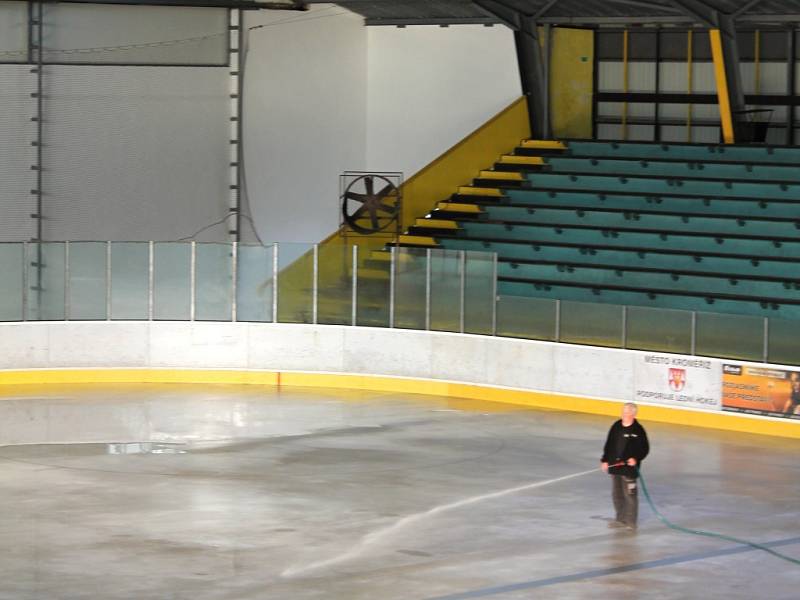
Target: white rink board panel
{"points": [[693, 383]]}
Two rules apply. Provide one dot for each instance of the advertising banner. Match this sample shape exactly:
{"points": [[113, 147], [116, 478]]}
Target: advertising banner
{"points": [[678, 381], [761, 390]]}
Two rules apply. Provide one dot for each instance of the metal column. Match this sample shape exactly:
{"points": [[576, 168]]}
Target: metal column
{"points": [[235, 43], [531, 69]]}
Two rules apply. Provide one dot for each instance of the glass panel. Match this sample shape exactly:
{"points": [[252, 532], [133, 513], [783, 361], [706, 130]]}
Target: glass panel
{"points": [[46, 281], [295, 282], [373, 289], [530, 318], [479, 288], [445, 290], [783, 342], [335, 284], [11, 265], [730, 336], [254, 284], [659, 329], [171, 281], [409, 306], [129, 280], [592, 324], [87, 280], [213, 282]]}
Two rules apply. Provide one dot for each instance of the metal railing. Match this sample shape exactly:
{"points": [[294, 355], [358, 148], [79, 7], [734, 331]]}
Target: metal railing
{"points": [[410, 288]]}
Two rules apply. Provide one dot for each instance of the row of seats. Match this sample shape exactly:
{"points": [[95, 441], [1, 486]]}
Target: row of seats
{"points": [[683, 226]]}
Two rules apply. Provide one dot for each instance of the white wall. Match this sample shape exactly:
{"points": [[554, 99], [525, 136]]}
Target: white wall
{"points": [[325, 94], [428, 87], [305, 107]]}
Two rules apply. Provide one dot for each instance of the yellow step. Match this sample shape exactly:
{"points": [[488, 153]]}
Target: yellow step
{"points": [[544, 144], [377, 274], [503, 175], [459, 207], [468, 190], [513, 159], [418, 240], [386, 256], [436, 223]]}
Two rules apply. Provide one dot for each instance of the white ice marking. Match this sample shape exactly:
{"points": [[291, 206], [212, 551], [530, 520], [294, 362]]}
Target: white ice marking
{"points": [[374, 536]]}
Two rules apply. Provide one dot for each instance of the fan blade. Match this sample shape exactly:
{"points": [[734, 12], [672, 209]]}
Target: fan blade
{"points": [[387, 189], [373, 217], [388, 208], [359, 212], [356, 196]]}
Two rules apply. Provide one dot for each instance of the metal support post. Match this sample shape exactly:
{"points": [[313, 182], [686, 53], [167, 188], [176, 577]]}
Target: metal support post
{"points": [[234, 279], [392, 283], [766, 339], [236, 66], [67, 303], [25, 296], [354, 291], [462, 289], [192, 280], [624, 336], [530, 59], [427, 289], [108, 281], [791, 74], [150, 280], [693, 345], [315, 287], [558, 321], [494, 294], [275, 282]]}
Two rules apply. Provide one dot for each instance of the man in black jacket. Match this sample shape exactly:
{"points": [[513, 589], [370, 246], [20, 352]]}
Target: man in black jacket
{"points": [[625, 449]]}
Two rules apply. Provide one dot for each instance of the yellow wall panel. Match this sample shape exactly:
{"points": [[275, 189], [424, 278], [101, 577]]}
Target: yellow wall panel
{"points": [[571, 82]]}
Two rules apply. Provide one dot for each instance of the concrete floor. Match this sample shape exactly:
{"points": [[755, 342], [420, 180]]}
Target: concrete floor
{"points": [[199, 492]]}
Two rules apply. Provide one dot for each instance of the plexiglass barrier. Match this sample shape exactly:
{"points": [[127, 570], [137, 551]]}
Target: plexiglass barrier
{"points": [[343, 284]]}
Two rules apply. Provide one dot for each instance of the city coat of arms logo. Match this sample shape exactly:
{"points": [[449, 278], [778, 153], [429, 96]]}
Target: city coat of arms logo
{"points": [[677, 379]]}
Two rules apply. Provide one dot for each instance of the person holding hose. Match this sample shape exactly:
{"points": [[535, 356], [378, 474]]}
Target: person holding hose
{"points": [[626, 447]]}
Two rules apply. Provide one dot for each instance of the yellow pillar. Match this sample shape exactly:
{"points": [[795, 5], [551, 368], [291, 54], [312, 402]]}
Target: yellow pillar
{"points": [[723, 94]]}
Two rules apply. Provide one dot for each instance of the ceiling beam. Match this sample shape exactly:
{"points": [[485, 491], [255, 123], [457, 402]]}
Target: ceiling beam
{"points": [[747, 6]]}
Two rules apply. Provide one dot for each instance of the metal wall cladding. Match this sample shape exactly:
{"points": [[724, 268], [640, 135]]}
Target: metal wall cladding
{"points": [[17, 154], [135, 153], [13, 31], [641, 76], [87, 33]]}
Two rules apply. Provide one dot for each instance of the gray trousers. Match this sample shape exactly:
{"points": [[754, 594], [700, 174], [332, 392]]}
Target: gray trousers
{"points": [[624, 491]]}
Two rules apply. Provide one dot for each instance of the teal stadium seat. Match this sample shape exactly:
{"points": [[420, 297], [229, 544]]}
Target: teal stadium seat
{"points": [[680, 226]]}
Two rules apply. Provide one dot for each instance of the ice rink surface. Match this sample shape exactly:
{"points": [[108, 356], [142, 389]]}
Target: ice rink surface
{"points": [[246, 492]]}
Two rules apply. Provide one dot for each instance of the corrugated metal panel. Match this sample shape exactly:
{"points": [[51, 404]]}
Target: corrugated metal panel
{"points": [[642, 77], [609, 132], [154, 34], [135, 153], [13, 31], [705, 135], [609, 76], [703, 78], [609, 109], [673, 77], [17, 131]]}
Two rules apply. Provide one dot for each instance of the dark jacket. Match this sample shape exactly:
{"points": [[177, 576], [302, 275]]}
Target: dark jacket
{"points": [[624, 443]]}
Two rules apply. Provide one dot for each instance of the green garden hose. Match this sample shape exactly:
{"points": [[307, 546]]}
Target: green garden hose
{"points": [[720, 536]]}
